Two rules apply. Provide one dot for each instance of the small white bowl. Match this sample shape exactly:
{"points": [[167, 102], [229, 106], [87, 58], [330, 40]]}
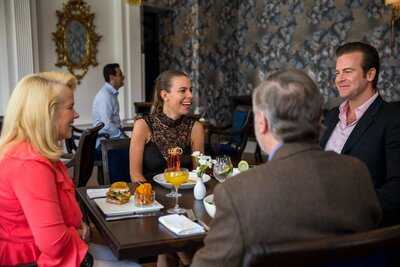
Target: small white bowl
{"points": [[208, 202], [235, 172]]}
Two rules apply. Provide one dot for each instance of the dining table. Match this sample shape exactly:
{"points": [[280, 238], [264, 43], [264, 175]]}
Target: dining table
{"points": [[144, 237]]}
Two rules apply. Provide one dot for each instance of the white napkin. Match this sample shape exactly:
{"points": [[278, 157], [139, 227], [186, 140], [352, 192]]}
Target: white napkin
{"points": [[96, 193], [193, 176], [181, 225]]}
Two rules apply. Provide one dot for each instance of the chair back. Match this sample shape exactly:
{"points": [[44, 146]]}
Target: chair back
{"points": [[234, 136], [241, 118], [84, 155], [142, 108], [115, 156], [372, 248], [239, 134]]}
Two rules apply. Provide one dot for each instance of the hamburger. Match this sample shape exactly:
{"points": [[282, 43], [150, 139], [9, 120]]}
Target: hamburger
{"points": [[119, 193]]}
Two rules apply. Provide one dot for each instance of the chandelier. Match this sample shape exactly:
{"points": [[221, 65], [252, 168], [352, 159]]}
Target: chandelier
{"points": [[134, 2]]}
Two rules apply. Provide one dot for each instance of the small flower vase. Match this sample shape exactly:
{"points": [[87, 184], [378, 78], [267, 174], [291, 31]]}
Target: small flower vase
{"points": [[199, 190]]}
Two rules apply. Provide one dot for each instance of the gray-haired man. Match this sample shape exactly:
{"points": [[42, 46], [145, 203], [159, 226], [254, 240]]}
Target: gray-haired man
{"points": [[301, 193]]}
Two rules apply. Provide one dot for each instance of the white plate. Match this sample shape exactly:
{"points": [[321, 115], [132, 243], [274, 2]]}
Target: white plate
{"points": [[110, 209], [159, 178], [209, 204]]}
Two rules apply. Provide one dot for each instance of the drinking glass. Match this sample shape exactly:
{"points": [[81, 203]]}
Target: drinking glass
{"points": [[167, 174], [177, 178], [222, 168]]}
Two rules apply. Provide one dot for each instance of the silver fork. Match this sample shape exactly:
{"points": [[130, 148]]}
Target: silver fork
{"points": [[193, 217]]}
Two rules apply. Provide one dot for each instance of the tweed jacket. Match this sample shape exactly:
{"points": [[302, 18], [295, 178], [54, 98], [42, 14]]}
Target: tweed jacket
{"points": [[302, 193]]}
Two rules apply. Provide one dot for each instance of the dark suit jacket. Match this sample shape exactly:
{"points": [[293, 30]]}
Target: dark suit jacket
{"points": [[302, 193], [375, 140]]}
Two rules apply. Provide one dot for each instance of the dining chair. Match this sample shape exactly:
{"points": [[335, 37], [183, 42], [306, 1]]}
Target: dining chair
{"points": [[142, 108], [98, 163], [232, 139], [372, 248], [82, 153], [115, 158]]}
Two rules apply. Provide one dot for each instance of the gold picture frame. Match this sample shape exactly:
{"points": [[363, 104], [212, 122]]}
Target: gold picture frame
{"points": [[76, 40]]}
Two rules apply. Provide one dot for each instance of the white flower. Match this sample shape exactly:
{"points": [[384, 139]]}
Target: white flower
{"points": [[196, 153], [204, 162]]}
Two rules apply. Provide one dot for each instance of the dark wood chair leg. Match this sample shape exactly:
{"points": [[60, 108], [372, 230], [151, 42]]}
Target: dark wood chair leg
{"points": [[257, 155], [100, 175]]}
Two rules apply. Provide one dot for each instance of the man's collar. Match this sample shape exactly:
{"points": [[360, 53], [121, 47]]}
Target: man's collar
{"points": [[111, 89], [359, 111], [288, 149], [345, 105], [273, 151]]}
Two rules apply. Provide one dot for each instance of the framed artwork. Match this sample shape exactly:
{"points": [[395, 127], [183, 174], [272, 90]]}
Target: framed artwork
{"points": [[75, 39]]}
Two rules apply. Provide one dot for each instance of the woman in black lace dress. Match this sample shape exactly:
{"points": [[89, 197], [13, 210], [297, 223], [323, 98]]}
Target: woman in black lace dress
{"points": [[167, 126]]}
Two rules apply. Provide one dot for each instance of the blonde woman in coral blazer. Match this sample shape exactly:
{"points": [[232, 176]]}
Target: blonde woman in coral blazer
{"points": [[40, 219]]}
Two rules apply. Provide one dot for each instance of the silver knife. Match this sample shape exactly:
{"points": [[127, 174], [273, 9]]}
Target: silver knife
{"points": [[193, 217], [133, 215]]}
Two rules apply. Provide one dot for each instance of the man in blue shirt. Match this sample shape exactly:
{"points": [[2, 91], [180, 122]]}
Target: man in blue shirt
{"points": [[105, 104]]}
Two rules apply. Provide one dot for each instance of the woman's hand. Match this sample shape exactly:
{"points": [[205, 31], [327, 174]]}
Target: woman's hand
{"points": [[139, 180], [84, 231]]}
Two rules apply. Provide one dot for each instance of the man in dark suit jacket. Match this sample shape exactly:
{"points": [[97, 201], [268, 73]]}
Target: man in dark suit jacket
{"points": [[365, 126], [301, 193]]}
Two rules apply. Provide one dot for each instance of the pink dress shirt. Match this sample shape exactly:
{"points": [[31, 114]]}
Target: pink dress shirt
{"points": [[342, 131], [39, 214]]}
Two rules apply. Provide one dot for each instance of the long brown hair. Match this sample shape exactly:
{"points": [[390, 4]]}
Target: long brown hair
{"points": [[164, 82]]}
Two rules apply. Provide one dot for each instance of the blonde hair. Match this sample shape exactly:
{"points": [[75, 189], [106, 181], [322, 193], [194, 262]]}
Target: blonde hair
{"points": [[32, 112]]}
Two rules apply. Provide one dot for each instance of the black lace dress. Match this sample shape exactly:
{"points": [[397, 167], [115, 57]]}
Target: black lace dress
{"points": [[166, 133]]}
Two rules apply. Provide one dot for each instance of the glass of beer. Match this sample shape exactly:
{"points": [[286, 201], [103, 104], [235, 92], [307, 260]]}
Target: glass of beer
{"points": [[176, 178]]}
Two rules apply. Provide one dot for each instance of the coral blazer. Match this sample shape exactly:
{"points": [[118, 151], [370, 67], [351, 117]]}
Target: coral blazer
{"points": [[39, 214]]}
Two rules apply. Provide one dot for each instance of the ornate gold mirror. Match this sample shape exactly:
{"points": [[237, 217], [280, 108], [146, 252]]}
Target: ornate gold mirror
{"points": [[75, 38]]}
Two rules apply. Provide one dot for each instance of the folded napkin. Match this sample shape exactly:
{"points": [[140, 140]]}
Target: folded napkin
{"points": [[181, 225], [96, 193], [193, 176]]}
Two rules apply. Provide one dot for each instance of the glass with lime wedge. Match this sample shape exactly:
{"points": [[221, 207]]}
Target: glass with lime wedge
{"points": [[222, 168]]}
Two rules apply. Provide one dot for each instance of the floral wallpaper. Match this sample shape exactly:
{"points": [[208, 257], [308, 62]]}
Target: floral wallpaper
{"points": [[229, 46]]}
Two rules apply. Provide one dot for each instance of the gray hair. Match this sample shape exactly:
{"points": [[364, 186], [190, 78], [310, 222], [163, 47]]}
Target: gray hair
{"points": [[292, 104]]}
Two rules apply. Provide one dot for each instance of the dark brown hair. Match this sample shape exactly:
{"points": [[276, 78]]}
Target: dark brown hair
{"points": [[110, 69], [369, 53], [164, 82]]}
